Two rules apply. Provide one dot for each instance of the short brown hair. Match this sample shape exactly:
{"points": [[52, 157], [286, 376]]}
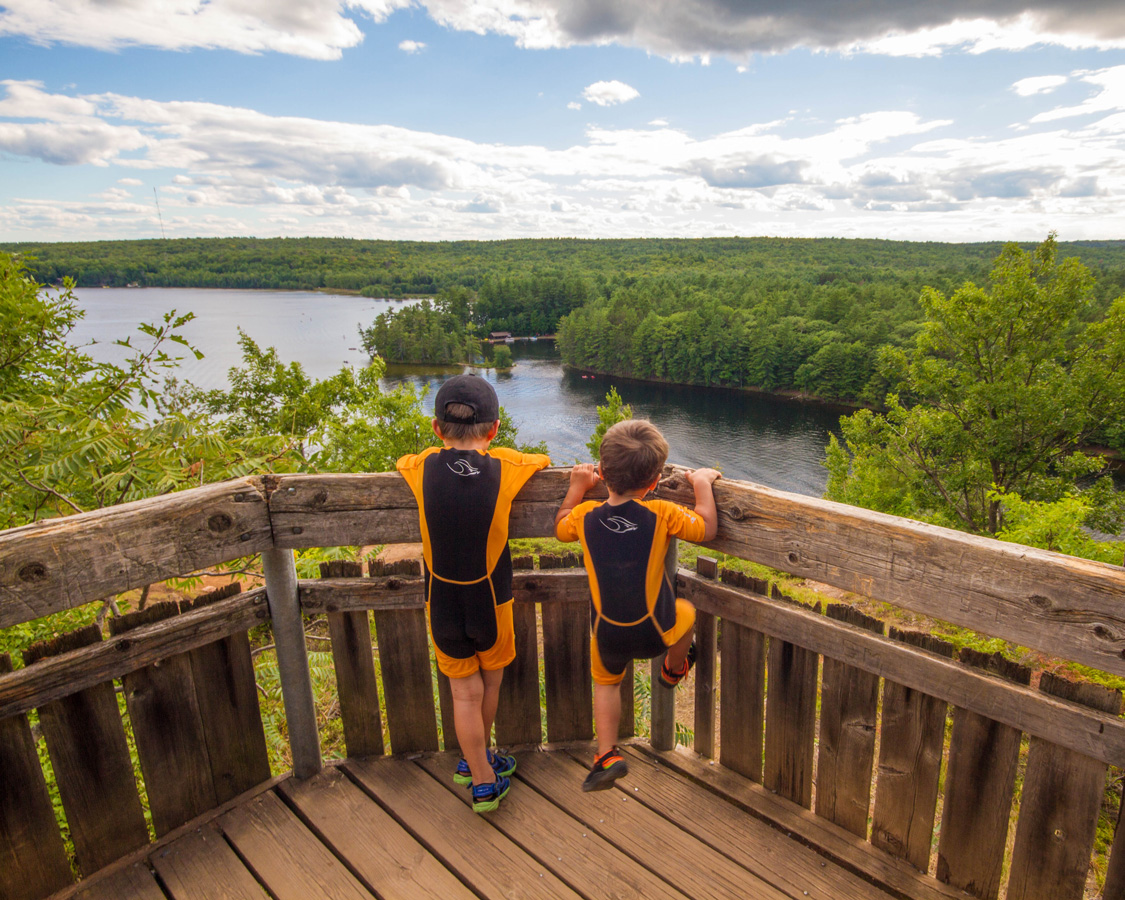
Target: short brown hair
{"points": [[632, 454], [458, 431]]}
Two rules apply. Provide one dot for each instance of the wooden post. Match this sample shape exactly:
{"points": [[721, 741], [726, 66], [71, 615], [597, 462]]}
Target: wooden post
{"points": [[292, 660], [663, 733], [706, 648]]}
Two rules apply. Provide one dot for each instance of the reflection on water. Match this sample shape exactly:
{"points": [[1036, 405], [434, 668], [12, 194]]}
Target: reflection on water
{"points": [[773, 442]]}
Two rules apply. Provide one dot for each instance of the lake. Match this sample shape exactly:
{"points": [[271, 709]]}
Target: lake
{"points": [[778, 443]]}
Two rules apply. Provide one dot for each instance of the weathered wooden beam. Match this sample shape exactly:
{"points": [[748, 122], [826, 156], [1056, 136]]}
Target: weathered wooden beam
{"points": [[68, 673], [1092, 733], [66, 562], [336, 510], [1064, 606], [399, 592]]}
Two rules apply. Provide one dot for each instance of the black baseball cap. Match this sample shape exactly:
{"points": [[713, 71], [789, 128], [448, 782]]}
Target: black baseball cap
{"points": [[473, 391]]}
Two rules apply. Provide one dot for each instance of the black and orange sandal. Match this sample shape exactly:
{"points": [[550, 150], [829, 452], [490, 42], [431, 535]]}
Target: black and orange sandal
{"points": [[669, 679], [607, 769]]}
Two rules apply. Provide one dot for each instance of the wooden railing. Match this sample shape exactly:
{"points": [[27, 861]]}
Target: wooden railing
{"points": [[860, 742]]}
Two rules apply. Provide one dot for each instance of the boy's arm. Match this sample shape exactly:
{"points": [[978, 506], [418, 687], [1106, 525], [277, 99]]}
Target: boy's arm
{"points": [[701, 481], [582, 477]]}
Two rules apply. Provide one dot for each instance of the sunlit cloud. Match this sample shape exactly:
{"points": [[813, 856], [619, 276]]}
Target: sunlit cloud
{"points": [[222, 167], [1040, 84], [411, 46], [610, 93]]}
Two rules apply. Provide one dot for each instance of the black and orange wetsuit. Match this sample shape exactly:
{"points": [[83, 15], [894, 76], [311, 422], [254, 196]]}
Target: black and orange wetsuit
{"points": [[464, 500], [635, 613]]}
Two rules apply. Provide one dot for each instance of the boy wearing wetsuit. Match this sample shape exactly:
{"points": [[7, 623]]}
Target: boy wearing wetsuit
{"points": [[635, 613], [464, 492]]}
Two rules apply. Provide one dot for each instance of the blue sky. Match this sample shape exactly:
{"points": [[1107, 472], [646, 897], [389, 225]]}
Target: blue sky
{"points": [[485, 119]]}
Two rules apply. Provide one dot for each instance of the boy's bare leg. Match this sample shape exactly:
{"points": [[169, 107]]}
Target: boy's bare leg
{"points": [[492, 679], [677, 653], [607, 715], [468, 722]]}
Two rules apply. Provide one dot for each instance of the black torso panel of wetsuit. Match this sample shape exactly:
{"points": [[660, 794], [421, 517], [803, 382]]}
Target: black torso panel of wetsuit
{"points": [[620, 542]]}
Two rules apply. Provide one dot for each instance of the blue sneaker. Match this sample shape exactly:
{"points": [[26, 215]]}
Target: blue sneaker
{"points": [[502, 765], [486, 797]]}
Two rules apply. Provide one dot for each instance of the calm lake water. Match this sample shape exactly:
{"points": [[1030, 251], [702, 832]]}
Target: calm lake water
{"points": [[773, 442]]}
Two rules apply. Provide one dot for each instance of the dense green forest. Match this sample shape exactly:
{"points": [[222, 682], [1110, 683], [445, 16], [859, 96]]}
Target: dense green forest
{"points": [[811, 316]]}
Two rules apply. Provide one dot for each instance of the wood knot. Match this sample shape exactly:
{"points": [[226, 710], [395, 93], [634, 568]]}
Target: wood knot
{"points": [[736, 512], [33, 572], [1039, 601], [219, 523], [320, 498], [794, 557], [1104, 632]]}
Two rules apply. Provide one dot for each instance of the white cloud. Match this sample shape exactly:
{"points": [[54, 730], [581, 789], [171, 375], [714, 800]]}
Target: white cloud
{"points": [[1110, 95], [320, 29], [697, 29], [610, 93], [411, 46], [574, 104], [1039, 84], [223, 169]]}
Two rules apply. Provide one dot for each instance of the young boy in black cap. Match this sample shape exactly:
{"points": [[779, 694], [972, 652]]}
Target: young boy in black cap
{"points": [[464, 492], [635, 612]]}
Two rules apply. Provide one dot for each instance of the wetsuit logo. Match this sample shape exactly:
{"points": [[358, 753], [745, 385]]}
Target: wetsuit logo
{"points": [[619, 525], [462, 467]]}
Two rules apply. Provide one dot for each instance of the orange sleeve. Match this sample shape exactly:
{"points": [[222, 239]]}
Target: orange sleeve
{"points": [[682, 522]]}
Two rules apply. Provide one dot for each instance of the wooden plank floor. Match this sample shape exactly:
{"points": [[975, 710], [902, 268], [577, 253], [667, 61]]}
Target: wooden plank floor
{"points": [[675, 827]]}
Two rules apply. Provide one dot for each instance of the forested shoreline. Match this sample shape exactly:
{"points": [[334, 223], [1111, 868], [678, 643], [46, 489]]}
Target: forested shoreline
{"points": [[788, 316]]}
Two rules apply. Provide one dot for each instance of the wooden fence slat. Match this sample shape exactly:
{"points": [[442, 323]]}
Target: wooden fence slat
{"points": [[791, 683], [404, 658], [33, 863], [227, 695], [849, 702], [168, 730], [706, 648], [566, 669], [1062, 793], [90, 757], [518, 719], [354, 660], [742, 694], [1114, 888], [662, 702], [910, 750], [1087, 731], [980, 780], [55, 677]]}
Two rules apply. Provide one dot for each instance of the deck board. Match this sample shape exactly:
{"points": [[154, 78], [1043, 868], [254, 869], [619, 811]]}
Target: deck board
{"points": [[400, 828], [202, 866]]}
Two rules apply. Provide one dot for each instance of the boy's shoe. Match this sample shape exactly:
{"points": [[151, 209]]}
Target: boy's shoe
{"points": [[501, 764], [607, 769], [668, 678], [486, 797]]}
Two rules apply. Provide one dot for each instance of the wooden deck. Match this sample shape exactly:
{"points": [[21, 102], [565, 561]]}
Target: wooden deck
{"points": [[402, 829]]}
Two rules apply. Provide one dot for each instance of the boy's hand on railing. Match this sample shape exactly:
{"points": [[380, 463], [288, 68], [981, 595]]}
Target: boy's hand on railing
{"points": [[584, 476], [701, 481], [708, 476]]}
